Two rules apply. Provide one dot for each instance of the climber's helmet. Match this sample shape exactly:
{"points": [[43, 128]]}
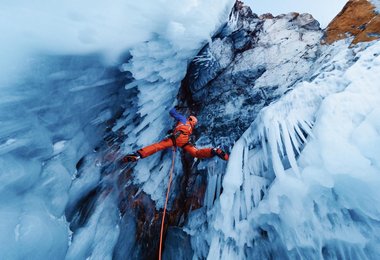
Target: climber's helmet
{"points": [[193, 121]]}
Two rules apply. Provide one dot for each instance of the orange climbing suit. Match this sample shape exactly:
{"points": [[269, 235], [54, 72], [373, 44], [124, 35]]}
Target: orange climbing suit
{"points": [[181, 137]]}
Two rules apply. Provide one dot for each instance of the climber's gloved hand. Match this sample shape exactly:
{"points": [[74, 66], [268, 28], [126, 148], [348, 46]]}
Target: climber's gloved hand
{"points": [[169, 134], [132, 157], [220, 153]]}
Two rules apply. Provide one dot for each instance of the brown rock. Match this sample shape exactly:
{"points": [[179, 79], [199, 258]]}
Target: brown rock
{"points": [[357, 18], [266, 16]]}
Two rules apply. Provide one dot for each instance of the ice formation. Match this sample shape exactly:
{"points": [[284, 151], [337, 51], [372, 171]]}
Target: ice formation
{"points": [[296, 184], [60, 85], [167, 55], [321, 142], [302, 179]]}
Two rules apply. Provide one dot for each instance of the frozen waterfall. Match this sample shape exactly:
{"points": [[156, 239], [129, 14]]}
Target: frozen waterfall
{"points": [[84, 83], [62, 82]]}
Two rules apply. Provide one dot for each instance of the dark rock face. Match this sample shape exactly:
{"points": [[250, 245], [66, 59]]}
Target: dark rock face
{"points": [[248, 65], [177, 245]]}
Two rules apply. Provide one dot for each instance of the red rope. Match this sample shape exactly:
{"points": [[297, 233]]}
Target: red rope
{"points": [[166, 203]]}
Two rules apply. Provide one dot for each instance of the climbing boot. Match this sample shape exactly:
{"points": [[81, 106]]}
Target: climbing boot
{"points": [[133, 157], [220, 153]]}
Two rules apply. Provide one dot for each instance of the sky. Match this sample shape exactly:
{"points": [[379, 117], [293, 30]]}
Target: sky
{"points": [[322, 10]]}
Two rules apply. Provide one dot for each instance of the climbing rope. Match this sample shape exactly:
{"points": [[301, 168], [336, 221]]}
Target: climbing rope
{"points": [[166, 203]]}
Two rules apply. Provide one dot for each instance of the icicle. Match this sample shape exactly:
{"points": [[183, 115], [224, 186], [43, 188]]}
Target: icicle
{"points": [[212, 179], [215, 248], [278, 138], [236, 208], [293, 139], [247, 189], [243, 205], [219, 185], [299, 132], [265, 149], [306, 127], [289, 148], [273, 135]]}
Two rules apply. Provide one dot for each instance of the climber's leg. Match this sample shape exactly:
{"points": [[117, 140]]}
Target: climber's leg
{"points": [[153, 148], [198, 153]]}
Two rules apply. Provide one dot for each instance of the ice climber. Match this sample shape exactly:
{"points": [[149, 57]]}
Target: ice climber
{"points": [[179, 137]]}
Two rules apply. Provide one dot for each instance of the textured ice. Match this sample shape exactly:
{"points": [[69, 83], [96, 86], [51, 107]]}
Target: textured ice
{"points": [[283, 51], [100, 227], [321, 142], [302, 181], [61, 82], [48, 125], [167, 54]]}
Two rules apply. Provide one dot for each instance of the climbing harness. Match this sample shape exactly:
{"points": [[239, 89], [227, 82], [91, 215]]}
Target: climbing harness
{"points": [[173, 136], [166, 203]]}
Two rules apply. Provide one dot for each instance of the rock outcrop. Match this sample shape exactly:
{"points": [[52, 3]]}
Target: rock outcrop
{"points": [[358, 19], [249, 64]]}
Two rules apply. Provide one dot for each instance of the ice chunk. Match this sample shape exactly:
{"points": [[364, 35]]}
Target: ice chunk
{"points": [[18, 175], [26, 225]]}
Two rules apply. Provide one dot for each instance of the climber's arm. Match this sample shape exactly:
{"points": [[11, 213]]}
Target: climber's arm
{"points": [[177, 116]]}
